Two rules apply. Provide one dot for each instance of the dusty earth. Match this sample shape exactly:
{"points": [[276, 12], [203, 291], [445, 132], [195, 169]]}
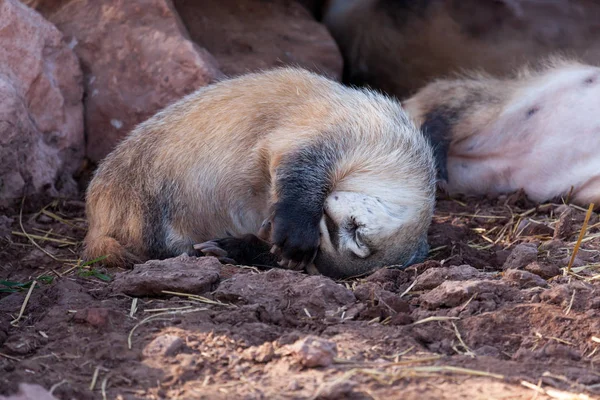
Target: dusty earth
{"points": [[493, 315]]}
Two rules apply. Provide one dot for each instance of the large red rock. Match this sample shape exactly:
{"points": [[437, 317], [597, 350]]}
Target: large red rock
{"points": [[137, 58], [250, 35], [41, 110]]}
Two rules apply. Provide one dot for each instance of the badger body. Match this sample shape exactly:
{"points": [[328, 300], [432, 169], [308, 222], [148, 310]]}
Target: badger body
{"points": [[538, 131], [324, 173]]}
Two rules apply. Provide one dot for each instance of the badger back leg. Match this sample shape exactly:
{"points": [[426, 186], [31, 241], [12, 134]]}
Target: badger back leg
{"points": [[244, 250]]}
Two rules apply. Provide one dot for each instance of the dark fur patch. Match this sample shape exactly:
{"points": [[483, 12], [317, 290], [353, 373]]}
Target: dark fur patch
{"points": [[437, 129], [303, 181], [158, 214], [402, 11], [532, 111]]}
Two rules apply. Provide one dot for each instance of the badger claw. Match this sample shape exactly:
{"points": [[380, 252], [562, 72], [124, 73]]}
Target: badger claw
{"points": [[212, 248]]}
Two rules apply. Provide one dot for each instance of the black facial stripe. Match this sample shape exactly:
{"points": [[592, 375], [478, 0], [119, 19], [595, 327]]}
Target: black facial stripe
{"points": [[334, 232], [437, 129]]}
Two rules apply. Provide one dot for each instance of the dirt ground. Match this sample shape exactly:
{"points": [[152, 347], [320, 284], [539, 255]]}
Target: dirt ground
{"points": [[493, 314]]}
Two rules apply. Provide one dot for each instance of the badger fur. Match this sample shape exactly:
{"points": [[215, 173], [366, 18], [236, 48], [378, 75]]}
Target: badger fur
{"points": [[284, 160], [537, 131]]}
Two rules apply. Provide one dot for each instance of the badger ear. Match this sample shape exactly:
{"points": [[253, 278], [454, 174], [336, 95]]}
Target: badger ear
{"points": [[437, 129], [358, 247]]}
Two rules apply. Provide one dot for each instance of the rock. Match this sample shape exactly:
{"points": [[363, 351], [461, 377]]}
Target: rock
{"points": [[41, 109], [520, 256], [20, 344], [164, 346], [564, 227], [314, 352], [487, 350], [185, 274], [452, 293], [30, 392], [260, 354], [577, 262], [374, 294], [285, 295], [5, 225], [137, 58], [524, 279], [389, 278], [401, 319], [436, 276], [557, 351], [586, 255], [252, 35], [339, 390], [530, 227], [552, 245], [576, 295], [559, 295], [544, 270], [95, 316]]}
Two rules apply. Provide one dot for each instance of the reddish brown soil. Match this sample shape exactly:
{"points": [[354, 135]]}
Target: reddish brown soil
{"points": [[365, 338]]}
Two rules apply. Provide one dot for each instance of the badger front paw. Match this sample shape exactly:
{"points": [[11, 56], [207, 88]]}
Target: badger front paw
{"points": [[295, 236]]}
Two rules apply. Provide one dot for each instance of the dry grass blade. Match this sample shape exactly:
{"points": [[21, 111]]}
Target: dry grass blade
{"points": [[60, 219], [30, 238], [412, 361], [568, 310], [196, 297], [431, 319], [381, 376], [387, 364], [150, 310], [133, 307], [555, 394], [45, 238], [155, 316], [462, 343], [94, 378], [24, 305], [103, 387], [458, 370], [9, 357], [56, 385], [50, 233], [581, 235], [408, 289]]}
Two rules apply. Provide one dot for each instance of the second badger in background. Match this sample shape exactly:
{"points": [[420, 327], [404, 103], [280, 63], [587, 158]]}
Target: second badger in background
{"points": [[538, 131]]}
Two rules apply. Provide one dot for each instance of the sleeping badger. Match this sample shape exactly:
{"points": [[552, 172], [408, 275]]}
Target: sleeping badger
{"points": [[538, 131], [283, 167]]}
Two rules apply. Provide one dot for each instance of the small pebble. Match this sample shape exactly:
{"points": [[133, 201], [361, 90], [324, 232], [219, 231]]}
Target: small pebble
{"points": [[164, 346], [521, 255], [314, 352]]}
